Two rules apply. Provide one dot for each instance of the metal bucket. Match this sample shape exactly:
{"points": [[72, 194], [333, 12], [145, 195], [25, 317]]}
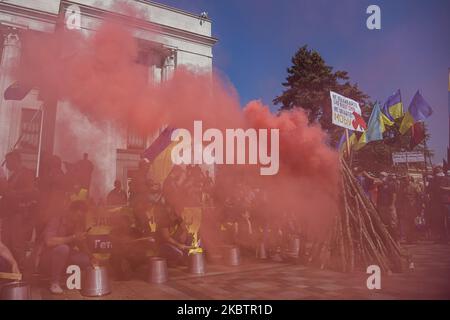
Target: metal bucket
{"points": [[294, 245], [17, 290], [157, 270], [95, 282], [196, 263], [232, 255], [261, 251]]}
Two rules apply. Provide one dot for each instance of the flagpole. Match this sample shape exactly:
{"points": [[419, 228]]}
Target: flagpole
{"points": [[348, 143], [38, 164]]}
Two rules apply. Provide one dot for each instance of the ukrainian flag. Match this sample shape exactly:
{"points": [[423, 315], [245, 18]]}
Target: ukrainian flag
{"points": [[375, 128], [418, 110], [342, 144], [393, 107], [159, 154], [377, 124], [361, 142]]}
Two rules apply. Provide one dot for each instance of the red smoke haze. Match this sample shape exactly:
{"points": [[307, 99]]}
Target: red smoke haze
{"points": [[99, 77]]}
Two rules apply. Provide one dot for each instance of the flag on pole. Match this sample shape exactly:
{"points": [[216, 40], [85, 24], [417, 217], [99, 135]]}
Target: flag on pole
{"points": [[16, 91], [417, 134], [418, 110], [159, 154], [377, 124], [342, 143], [361, 142], [393, 107]]}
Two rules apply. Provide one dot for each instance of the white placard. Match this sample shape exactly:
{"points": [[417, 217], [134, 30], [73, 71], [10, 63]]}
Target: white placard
{"points": [[344, 110], [403, 157]]}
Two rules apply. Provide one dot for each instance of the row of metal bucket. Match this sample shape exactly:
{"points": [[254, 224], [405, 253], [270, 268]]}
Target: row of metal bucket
{"points": [[230, 256], [96, 282], [196, 264]]}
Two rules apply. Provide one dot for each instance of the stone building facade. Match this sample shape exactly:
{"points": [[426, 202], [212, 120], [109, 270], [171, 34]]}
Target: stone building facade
{"points": [[167, 38]]}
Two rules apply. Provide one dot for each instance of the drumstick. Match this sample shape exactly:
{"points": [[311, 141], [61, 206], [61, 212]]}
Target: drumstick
{"points": [[10, 276], [142, 239]]}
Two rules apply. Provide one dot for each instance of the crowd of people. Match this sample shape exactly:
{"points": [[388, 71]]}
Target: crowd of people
{"points": [[411, 208], [44, 221], [41, 222]]}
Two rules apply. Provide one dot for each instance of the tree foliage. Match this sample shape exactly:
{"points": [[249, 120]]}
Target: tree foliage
{"points": [[308, 85]]}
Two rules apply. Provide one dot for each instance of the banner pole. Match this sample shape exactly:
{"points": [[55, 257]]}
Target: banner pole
{"points": [[348, 143]]}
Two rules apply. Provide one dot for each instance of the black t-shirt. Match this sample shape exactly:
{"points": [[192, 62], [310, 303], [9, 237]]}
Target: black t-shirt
{"points": [[116, 197], [167, 219]]}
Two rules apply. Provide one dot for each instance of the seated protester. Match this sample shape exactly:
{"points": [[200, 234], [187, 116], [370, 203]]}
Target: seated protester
{"points": [[117, 196], [18, 200], [172, 189], [127, 253], [144, 208], [132, 245], [7, 261], [173, 237], [140, 208], [226, 221], [245, 235], [64, 241]]}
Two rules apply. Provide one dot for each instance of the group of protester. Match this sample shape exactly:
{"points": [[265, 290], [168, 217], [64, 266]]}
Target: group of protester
{"points": [[41, 220], [44, 220], [409, 208]]}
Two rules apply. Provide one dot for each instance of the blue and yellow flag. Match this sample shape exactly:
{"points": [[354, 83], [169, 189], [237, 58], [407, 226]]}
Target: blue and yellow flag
{"points": [[361, 142], [342, 144], [393, 107], [377, 124], [418, 110], [159, 154]]}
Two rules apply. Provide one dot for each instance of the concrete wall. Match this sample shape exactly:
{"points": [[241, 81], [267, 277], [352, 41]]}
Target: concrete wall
{"points": [[47, 6], [155, 13], [186, 36]]}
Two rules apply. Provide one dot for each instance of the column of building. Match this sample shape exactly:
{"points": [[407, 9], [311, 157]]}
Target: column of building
{"points": [[9, 112], [169, 65]]}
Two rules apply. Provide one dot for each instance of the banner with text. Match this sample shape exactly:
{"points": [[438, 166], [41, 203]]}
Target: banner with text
{"points": [[346, 112]]}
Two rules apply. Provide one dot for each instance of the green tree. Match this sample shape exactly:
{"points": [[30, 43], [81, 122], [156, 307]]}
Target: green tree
{"points": [[308, 85]]}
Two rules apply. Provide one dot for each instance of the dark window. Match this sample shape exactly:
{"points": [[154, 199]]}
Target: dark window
{"points": [[142, 58], [30, 126]]}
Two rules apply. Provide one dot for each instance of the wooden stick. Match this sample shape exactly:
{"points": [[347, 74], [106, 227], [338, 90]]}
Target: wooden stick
{"points": [[11, 276]]}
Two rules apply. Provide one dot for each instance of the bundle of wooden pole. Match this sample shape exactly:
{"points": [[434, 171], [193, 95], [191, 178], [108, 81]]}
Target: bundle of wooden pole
{"points": [[359, 238]]}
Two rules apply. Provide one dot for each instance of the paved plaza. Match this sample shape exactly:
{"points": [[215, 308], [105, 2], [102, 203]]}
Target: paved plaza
{"points": [[271, 280]]}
